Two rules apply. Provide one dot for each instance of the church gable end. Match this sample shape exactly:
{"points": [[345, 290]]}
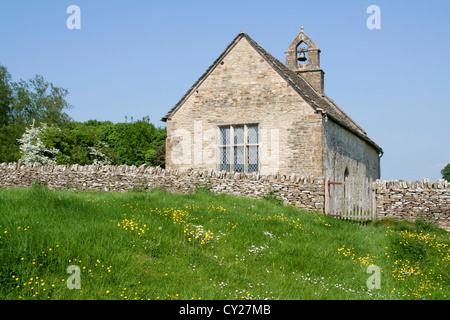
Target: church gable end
{"points": [[242, 92]]}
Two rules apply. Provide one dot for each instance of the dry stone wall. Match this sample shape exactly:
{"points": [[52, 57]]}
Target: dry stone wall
{"points": [[304, 192], [413, 199], [395, 199]]}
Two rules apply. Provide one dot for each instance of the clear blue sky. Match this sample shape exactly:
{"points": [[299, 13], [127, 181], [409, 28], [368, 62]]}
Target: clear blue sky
{"points": [[136, 58]]}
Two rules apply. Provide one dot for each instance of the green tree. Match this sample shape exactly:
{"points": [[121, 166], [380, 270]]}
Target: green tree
{"points": [[446, 172], [39, 100], [159, 158], [75, 142], [9, 132], [133, 142], [9, 146], [5, 95]]}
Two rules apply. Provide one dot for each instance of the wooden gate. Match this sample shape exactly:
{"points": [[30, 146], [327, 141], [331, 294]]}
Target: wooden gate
{"points": [[351, 199]]}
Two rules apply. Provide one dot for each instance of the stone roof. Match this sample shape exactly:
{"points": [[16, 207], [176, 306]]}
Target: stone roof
{"points": [[319, 101]]}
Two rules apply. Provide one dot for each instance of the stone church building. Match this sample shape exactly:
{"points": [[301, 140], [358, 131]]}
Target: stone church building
{"points": [[250, 113]]}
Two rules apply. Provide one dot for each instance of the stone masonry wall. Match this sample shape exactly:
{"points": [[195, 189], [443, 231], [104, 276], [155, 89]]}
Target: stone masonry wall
{"points": [[412, 199], [395, 199], [304, 192]]}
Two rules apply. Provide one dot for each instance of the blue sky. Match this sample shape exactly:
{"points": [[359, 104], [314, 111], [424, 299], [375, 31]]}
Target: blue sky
{"points": [[136, 58]]}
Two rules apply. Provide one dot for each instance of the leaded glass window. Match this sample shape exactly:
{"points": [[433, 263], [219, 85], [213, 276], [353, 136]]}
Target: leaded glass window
{"points": [[225, 136], [239, 148], [238, 135], [239, 162], [252, 148], [224, 149], [252, 159]]}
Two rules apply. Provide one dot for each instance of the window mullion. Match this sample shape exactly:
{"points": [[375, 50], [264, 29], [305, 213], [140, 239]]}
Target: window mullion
{"points": [[231, 149], [245, 149], [219, 158]]}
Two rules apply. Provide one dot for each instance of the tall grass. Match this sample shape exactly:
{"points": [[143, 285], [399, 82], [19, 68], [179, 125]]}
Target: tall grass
{"points": [[158, 245]]}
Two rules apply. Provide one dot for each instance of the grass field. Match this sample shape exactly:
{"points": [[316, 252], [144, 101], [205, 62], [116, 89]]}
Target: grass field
{"points": [[157, 245]]}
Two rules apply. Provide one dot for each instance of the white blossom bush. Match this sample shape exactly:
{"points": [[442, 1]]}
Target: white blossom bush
{"points": [[99, 157], [33, 149]]}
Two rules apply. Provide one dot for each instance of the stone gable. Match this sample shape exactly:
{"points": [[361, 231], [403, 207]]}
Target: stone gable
{"points": [[244, 88]]}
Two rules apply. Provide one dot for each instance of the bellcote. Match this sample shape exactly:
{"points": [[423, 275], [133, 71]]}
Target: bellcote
{"points": [[303, 57]]}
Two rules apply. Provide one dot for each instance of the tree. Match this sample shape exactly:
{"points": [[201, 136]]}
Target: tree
{"points": [[33, 149], [133, 142], [5, 95], [9, 133], [446, 172], [159, 158], [40, 101], [9, 147], [74, 141]]}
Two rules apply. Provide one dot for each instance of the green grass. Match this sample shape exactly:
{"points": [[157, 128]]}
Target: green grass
{"points": [[139, 245]]}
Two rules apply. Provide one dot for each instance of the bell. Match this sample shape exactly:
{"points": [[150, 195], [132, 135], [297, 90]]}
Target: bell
{"points": [[302, 56]]}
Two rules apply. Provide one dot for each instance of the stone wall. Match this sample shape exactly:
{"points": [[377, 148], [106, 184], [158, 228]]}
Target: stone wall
{"points": [[412, 199], [395, 199], [303, 192]]}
